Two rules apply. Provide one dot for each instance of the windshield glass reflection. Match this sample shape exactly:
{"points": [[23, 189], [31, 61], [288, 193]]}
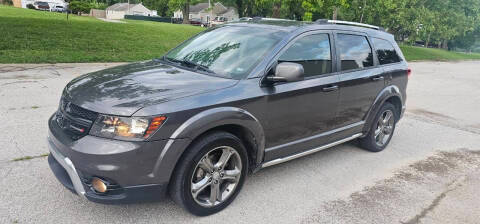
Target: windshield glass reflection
{"points": [[229, 51]]}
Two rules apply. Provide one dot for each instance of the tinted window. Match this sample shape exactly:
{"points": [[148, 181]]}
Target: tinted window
{"points": [[355, 52], [313, 52], [385, 51]]}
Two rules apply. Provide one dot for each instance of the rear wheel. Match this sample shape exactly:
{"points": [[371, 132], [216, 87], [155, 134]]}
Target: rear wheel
{"points": [[382, 129], [210, 174]]}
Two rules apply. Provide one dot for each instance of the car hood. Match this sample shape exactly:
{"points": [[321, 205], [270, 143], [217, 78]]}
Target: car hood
{"points": [[125, 89]]}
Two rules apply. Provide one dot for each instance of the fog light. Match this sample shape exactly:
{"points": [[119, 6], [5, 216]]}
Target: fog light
{"points": [[99, 185]]}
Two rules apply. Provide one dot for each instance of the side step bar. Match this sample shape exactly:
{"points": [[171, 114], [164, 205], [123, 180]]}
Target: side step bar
{"points": [[288, 158]]}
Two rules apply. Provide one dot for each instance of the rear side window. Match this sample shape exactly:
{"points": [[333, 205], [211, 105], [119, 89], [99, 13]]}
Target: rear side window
{"points": [[385, 51], [355, 52], [312, 52]]}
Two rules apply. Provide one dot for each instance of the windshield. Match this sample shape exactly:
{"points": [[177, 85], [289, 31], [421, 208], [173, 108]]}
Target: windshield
{"points": [[228, 51]]}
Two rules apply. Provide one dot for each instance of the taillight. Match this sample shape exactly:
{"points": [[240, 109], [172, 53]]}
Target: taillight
{"points": [[409, 72]]}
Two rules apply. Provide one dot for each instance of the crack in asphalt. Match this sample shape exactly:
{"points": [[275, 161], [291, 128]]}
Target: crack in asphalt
{"points": [[451, 187], [24, 158], [403, 196], [12, 68], [18, 82]]}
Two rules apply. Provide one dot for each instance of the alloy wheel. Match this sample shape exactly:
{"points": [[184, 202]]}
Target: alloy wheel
{"points": [[384, 128], [216, 176]]}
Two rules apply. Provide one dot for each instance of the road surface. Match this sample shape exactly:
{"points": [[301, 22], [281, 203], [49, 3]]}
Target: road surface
{"points": [[430, 173]]}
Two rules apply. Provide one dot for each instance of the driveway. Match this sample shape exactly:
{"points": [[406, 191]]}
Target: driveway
{"points": [[430, 173]]}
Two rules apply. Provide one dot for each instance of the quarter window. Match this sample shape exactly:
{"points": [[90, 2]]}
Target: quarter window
{"points": [[355, 52], [312, 52], [385, 51]]}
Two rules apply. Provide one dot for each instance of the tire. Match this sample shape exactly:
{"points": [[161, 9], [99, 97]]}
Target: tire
{"points": [[193, 170], [372, 142]]}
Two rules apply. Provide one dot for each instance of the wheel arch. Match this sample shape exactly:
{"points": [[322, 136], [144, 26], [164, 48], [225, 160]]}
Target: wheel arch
{"points": [[389, 94], [230, 119]]}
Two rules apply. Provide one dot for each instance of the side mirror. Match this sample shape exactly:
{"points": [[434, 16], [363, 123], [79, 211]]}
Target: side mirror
{"points": [[287, 72]]}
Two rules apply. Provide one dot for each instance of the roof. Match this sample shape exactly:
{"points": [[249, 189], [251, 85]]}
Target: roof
{"points": [[280, 24], [120, 7], [218, 8], [198, 7], [292, 25]]}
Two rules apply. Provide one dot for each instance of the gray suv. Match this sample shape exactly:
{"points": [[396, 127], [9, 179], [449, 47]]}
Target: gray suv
{"points": [[228, 102]]}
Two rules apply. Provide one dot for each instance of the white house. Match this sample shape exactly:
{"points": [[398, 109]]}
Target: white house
{"points": [[119, 10], [204, 12]]}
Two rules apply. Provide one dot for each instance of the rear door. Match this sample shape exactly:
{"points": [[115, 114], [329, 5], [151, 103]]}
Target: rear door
{"points": [[391, 62], [360, 79]]}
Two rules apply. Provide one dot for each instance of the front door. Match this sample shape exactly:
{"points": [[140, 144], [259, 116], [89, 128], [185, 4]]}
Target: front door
{"points": [[299, 112]]}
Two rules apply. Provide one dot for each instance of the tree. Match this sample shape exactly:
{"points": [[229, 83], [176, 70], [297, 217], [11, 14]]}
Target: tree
{"points": [[184, 6], [78, 7], [160, 5], [454, 23]]}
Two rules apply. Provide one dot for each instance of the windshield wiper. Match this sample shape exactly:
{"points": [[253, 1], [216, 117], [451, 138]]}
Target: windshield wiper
{"points": [[189, 64]]}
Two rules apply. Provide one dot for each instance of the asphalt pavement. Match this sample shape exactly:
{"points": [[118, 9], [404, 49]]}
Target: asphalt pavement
{"points": [[430, 173]]}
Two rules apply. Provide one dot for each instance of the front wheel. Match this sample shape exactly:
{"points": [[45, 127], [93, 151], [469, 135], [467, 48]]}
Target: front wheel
{"points": [[210, 174], [382, 129]]}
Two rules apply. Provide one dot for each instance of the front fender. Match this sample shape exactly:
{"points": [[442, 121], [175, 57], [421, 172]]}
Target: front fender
{"points": [[384, 95], [199, 124]]}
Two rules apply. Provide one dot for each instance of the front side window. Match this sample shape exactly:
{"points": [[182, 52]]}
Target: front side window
{"points": [[229, 51], [355, 52], [385, 51], [312, 52]]}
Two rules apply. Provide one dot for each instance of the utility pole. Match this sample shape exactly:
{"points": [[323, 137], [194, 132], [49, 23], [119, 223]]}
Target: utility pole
{"points": [[128, 5]]}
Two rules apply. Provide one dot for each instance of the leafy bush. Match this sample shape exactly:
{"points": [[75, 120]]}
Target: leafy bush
{"points": [[80, 7], [6, 2], [99, 5], [30, 6]]}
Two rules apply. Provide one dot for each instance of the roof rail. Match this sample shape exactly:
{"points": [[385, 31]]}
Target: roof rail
{"points": [[323, 21], [269, 19]]}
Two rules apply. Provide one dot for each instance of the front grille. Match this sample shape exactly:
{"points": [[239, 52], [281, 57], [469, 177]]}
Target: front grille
{"points": [[74, 120], [77, 111]]}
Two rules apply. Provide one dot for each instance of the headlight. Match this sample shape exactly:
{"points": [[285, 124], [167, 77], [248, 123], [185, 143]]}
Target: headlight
{"points": [[126, 128]]}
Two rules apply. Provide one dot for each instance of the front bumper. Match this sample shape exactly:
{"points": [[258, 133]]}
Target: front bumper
{"points": [[131, 166], [64, 170], [66, 173]]}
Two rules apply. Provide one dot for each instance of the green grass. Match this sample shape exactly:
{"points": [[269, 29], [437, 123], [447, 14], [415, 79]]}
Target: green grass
{"points": [[428, 54], [29, 36]]}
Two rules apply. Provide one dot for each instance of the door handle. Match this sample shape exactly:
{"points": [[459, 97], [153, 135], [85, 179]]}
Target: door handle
{"points": [[330, 88], [378, 78]]}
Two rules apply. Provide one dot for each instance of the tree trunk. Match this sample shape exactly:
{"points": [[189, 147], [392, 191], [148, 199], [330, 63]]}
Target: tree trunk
{"points": [[335, 13], [428, 40], [276, 9], [445, 44], [240, 8], [186, 12], [248, 9], [363, 10]]}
